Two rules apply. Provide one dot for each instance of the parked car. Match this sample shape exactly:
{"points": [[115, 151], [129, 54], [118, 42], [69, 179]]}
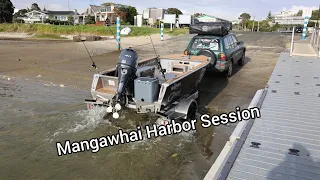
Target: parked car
{"points": [[224, 51], [298, 29]]}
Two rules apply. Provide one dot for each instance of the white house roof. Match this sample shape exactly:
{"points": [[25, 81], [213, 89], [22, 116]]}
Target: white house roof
{"points": [[35, 11]]}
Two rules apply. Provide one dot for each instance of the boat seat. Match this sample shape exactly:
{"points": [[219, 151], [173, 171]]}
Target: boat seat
{"points": [[182, 74], [106, 90], [168, 76], [180, 68]]}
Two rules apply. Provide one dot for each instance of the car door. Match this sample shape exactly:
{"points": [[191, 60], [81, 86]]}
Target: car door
{"points": [[229, 47], [237, 48]]}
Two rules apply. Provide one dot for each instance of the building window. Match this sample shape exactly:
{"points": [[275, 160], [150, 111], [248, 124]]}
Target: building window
{"points": [[106, 9], [61, 18]]}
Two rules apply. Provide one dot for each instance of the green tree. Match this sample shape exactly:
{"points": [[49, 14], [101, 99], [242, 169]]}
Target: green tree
{"points": [[249, 24], [275, 27], [6, 11], [315, 15], [174, 11], [35, 6], [311, 24], [299, 13], [269, 17], [18, 21], [71, 20], [197, 14], [131, 12], [264, 26], [89, 20], [127, 14], [121, 11], [245, 17], [20, 13]]}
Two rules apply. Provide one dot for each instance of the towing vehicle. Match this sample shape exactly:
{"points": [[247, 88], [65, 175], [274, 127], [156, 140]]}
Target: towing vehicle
{"points": [[223, 49]]}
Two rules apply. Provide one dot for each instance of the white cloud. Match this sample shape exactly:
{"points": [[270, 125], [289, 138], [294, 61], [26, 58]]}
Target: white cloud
{"points": [[228, 15], [55, 7], [184, 11]]}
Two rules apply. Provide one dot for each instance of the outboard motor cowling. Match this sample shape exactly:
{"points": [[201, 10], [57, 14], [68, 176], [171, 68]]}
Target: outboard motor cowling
{"points": [[126, 69]]}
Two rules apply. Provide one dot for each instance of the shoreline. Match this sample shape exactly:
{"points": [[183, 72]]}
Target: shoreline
{"points": [[65, 38]]}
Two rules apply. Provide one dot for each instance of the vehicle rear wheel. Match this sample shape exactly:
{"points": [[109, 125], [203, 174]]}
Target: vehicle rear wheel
{"points": [[229, 71], [241, 61]]}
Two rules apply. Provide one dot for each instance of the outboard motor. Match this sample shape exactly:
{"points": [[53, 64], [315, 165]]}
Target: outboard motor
{"points": [[126, 69], [126, 72]]}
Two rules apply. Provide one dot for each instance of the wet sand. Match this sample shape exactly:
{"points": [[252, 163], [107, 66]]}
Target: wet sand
{"points": [[43, 104]]}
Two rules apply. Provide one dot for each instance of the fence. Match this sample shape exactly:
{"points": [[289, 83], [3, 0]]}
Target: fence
{"points": [[315, 40]]}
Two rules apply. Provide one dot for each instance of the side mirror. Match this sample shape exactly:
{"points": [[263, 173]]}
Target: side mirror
{"points": [[239, 42]]}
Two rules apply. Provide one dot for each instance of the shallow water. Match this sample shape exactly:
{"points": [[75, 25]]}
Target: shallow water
{"points": [[34, 116]]}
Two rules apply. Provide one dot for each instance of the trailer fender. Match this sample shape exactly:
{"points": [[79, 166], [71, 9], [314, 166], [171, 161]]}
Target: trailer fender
{"points": [[184, 105]]}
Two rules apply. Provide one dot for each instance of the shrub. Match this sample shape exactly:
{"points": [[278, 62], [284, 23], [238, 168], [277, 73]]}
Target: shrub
{"points": [[17, 20]]}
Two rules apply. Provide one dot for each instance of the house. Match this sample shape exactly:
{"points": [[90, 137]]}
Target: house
{"points": [[61, 15], [34, 16], [101, 13], [42, 16], [153, 14], [288, 18]]}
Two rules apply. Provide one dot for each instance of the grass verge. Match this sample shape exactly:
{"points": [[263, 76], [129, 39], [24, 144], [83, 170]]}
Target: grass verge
{"points": [[83, 30]]}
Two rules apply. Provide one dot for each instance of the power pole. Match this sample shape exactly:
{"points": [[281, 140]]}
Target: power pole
{"points": [[193, 16], [253, 23]]}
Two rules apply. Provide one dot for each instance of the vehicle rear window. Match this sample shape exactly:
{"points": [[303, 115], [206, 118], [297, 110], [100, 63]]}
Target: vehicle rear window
{"points": [[206, 43]]}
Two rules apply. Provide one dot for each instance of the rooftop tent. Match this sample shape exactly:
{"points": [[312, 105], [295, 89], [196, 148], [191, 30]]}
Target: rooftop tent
{"points": [[209, 28]]}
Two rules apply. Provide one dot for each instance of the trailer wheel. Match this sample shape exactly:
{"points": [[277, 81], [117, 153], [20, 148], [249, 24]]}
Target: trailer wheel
{"points": [[192, 111]]}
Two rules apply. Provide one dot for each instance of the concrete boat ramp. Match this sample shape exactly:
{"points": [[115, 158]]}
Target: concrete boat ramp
{"points": [[284, 143]]}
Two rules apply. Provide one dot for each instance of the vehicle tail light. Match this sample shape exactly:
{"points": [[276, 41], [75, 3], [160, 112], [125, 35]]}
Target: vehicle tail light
{"points": [[222, 57], [186, 52]]}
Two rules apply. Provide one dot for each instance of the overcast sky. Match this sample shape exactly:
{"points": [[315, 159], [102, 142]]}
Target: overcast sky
{"points": [[227, 9]]}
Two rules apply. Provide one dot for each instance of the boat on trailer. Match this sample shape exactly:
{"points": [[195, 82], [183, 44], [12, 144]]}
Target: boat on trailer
{"points": [[166, 85]]}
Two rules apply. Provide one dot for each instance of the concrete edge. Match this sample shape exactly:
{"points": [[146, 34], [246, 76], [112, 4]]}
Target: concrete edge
{"points": [[217, 167], [305, 55]]}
